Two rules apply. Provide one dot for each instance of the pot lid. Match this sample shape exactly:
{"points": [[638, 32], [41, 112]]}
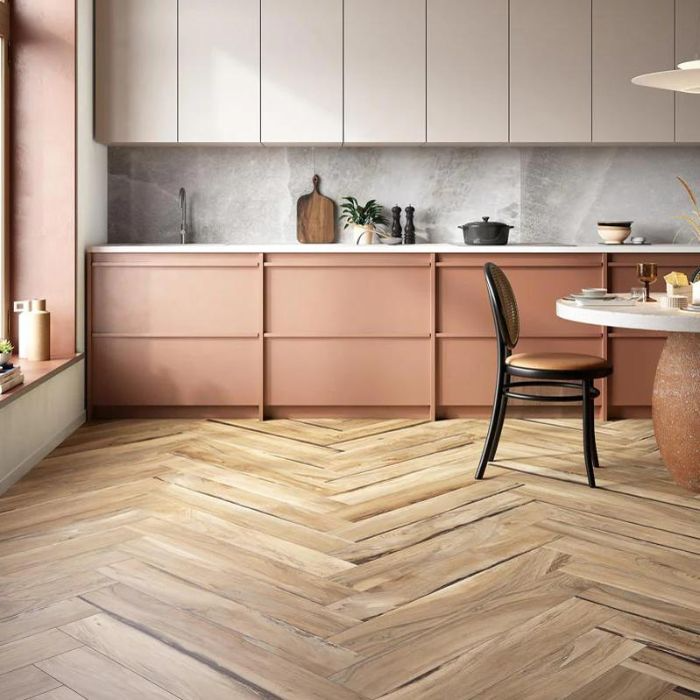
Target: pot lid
{"points": [[485, 221]]}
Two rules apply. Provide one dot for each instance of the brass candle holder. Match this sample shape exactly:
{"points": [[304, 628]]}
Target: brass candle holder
{"points": [[647, 274]]}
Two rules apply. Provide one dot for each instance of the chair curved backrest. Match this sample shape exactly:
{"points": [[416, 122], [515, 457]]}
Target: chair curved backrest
{"points": [[503, 305]]}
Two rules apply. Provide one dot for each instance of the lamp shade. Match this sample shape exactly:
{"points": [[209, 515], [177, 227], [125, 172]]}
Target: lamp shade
{"points": [[685, 79]]}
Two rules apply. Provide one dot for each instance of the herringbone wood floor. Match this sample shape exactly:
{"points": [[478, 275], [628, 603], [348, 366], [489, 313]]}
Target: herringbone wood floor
{"points": [[335, 559]]}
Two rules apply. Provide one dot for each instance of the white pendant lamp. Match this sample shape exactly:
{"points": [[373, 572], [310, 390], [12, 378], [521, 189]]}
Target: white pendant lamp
{"points": [[685, 79]]}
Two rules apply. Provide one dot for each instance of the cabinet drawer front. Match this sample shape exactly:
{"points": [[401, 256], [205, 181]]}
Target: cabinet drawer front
{"points": [[634, 361], [295, 109], [176, 301], [347, 372], [136, 71], [621, 31], [174, 372], [550, 64], [467, 367], [377, 62], [348, 300], [218, 71], [458, 69], [464, 307]]}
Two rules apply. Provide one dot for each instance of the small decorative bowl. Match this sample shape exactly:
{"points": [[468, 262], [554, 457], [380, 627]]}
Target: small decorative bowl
{"points": [[614, 233]]}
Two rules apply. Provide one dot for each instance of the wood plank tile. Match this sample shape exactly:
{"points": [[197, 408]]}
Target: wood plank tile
{"points": [[206, 571], [470, 675], [667, 667], [60, 693], [29, 650], [26, 683], [219, 647], [94, 676], [655, 635], [568, 669], [309, 651], [179, 673], [34, 621], [644, 606], [621, 683]]}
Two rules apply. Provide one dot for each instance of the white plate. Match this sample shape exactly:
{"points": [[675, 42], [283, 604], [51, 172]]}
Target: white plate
{"points": [[593, 297]]}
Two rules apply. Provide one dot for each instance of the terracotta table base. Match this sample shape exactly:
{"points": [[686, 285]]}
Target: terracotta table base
{"points": [[676, 408]]}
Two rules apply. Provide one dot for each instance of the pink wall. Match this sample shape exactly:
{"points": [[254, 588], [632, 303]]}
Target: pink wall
{"points": [[43, 162]]}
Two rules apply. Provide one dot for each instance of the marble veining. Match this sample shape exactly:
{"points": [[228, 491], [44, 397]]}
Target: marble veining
{"points": [[245, 195]]}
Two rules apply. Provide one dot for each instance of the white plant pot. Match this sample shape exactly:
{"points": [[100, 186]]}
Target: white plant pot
{"points": [[363, 235], [5, 357]]}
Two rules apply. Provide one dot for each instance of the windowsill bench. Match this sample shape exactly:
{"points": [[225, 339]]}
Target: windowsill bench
{"points": [[35, 374]]}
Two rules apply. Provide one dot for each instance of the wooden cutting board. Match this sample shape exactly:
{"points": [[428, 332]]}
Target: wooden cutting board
{"points": [[315, 217]]}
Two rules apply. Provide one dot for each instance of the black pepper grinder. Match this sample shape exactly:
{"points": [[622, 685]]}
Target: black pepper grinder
{"points": [[409, 233], [396, 222]]}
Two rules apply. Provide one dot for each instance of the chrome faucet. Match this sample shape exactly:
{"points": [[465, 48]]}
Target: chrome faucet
{"points": [[183, 213]]}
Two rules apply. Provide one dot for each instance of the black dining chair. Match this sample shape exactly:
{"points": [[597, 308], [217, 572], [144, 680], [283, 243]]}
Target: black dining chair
{"points": [[545, 369]]}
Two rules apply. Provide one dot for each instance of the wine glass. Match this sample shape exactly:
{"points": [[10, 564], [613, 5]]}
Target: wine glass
{"points": [[647, 274]]}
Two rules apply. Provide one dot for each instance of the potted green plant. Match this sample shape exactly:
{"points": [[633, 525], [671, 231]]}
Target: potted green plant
{"points": [[364, 221], [6, 349]]}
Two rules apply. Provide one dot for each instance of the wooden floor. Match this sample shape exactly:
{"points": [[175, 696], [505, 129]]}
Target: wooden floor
{"points": [[339, 559]]}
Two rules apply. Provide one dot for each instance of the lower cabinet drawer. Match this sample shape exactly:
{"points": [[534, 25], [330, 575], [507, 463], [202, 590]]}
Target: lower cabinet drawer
{"points": [[467, 366], [634, 362], [175, 372], [347, 372]]}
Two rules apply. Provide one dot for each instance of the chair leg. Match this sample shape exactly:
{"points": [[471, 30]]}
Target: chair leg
{"points": [[594, 447], [589, 447], [495, 427]]}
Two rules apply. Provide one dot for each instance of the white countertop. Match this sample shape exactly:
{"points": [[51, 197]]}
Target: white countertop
{"points": [[419, 248], [648, 317]]}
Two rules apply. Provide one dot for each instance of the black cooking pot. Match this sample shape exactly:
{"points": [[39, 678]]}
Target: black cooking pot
{"points": [[485, 232]]}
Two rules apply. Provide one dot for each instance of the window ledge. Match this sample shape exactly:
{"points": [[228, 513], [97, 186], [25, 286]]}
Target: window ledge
{"points": [[35, 374]]}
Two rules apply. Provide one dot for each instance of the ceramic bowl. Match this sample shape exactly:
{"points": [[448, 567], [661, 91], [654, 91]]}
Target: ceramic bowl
{"points": [[614, 233]]}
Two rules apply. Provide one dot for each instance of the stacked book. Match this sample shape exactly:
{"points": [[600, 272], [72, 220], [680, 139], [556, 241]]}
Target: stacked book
{"points": [[10, 378]]}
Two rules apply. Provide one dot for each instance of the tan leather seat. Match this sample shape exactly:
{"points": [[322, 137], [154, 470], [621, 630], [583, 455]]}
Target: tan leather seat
{"points": [[557, 361]]}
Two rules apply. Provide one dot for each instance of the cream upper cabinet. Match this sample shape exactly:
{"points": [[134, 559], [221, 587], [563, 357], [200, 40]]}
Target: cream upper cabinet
{"points": [[136, 71], [631, 37], [219, 71], [687, 49], [467, 71], [385, 71], [550, 71], [302, 79]]}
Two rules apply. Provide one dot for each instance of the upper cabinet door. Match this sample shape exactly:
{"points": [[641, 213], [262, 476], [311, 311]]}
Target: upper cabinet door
{"points": [[687, 49], [385, 71], [467, 71], [302, 80], [631, 37], [219, 71], [550, 71], [136, 71]]}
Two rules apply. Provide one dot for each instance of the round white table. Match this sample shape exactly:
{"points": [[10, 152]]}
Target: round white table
{"points": [[676, 397]]}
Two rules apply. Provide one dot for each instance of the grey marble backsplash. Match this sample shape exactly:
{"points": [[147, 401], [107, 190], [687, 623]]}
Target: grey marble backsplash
{"points": [[549, 194]]}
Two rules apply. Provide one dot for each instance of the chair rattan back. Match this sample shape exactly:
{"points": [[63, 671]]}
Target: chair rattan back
{"points": [[503, 305]]}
